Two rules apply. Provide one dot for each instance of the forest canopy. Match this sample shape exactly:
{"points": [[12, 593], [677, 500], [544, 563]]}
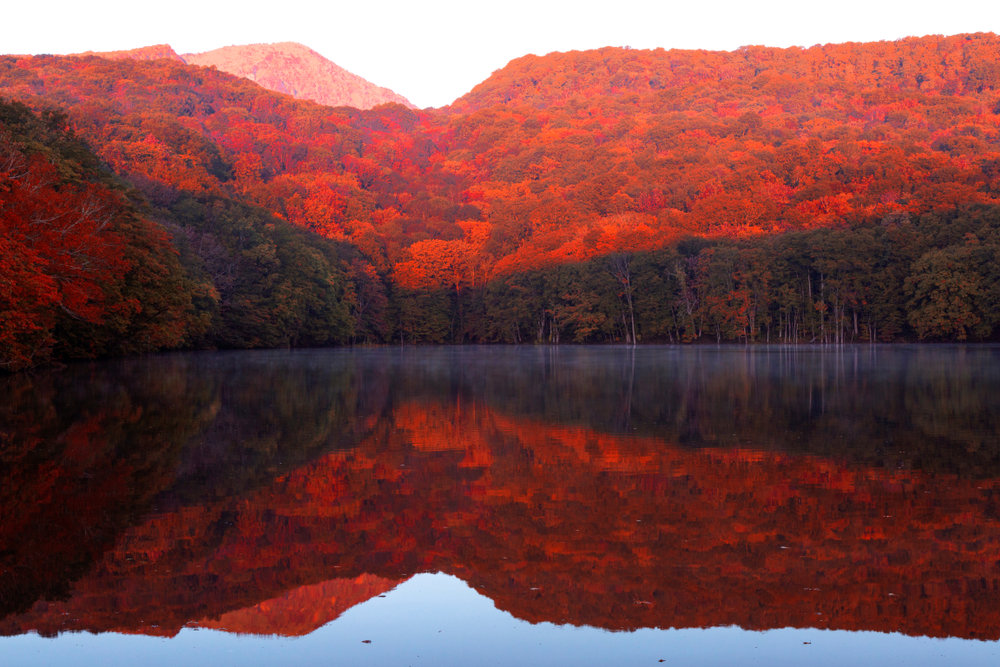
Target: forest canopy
{"points": [[831, 194]]}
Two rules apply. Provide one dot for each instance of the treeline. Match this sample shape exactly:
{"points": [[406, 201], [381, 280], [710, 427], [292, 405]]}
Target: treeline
{"points": [[259, 281], [91, 268], [931, 278], [560, 158], [608, 196], [82, 273]]}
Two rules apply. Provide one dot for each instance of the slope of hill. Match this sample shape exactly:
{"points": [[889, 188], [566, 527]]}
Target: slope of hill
{"points": [[82, 272], [953, 65], [445, 216], [155, 52], [298, 71]]}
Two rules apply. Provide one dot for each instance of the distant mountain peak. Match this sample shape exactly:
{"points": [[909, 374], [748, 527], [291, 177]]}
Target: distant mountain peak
{"points": [[155, 52], [297, 70]]}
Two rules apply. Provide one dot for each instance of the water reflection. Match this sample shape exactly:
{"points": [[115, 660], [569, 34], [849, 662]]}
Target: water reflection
{"points": [[654, 488]]}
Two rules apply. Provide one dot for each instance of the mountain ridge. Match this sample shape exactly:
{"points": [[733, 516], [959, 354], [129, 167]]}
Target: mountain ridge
{"points": [[573, 158], [297, 70], [290, 68], [152, 52], [554, 77]]}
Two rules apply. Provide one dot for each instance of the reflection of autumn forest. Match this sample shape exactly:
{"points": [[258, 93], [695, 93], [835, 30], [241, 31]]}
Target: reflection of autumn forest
{"points": [[257, 514], [837, 193]]}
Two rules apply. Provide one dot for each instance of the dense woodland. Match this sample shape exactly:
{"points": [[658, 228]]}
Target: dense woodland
{"points": [[833, 194]]}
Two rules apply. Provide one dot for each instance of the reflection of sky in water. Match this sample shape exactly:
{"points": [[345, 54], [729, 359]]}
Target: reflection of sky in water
{"points": [[435, 619]]}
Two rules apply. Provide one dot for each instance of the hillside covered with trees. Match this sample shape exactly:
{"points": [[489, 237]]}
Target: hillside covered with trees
{"points": [[832, 194]]}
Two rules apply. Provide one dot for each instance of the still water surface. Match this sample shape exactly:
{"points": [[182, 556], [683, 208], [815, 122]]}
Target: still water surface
{"points": [[502, 506]]}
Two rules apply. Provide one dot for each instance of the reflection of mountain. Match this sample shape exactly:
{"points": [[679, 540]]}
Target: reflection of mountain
{"points": [[301, 610], [554, 522]]}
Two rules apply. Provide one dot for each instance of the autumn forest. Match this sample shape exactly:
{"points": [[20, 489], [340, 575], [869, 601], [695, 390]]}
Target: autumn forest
{"points": [[833, 194]]}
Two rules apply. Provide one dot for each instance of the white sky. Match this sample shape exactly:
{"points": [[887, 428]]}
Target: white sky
{"points": [[436, 50]]}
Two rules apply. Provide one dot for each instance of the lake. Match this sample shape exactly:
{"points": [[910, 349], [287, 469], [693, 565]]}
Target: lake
{"points": [[505, 505]]}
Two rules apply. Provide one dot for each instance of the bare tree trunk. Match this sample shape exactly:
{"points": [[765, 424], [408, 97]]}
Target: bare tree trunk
{"points": [[621, 268]]}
